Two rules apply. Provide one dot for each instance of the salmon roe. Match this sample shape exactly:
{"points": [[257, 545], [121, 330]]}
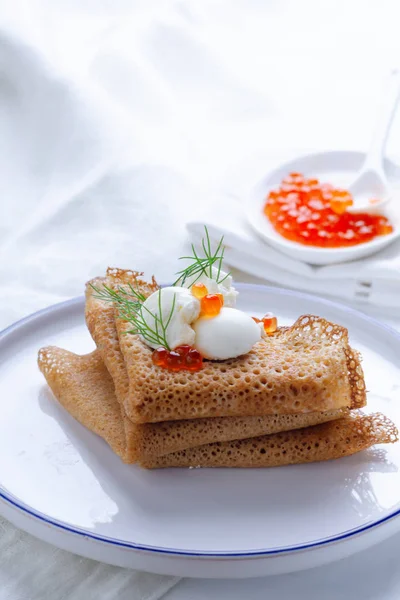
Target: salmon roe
{"points": [[182, 358], [269, 321], [199, 290], [315, 214], [211, 304]]}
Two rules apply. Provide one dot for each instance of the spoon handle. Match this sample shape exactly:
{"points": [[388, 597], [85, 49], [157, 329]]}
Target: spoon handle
{"points": [[386, 114]]}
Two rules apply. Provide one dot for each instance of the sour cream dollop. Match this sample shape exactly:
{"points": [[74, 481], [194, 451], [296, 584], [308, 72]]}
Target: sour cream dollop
{"points": [[225, 288], [228, 335], [186, 310]]}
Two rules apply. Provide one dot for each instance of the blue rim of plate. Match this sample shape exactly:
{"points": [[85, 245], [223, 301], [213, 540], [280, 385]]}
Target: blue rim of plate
{"points": [[15, 503]]}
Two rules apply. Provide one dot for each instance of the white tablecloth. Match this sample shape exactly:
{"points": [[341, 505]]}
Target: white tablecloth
{"points": [[121, 120]]}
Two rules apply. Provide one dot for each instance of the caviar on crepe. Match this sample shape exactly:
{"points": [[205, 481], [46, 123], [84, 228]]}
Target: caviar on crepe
{"points": [[315, 214], [269, 321], [182, 358]]}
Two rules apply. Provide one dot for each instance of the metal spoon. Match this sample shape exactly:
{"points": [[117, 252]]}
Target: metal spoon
{"points": [[371, 183]]}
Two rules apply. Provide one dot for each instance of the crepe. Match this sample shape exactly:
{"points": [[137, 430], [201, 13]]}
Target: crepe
{"points": [[285, 402], [159, 439], [100, 320], [162, 438], [85, 388], [335, 439], [101, 324], [308, 367]]}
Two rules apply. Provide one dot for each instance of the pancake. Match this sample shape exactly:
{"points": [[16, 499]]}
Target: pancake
{"points": [[162, 438], [159, 439], [84, 387], [328, 441], [100, 321], [308, 367], [266, 408]]}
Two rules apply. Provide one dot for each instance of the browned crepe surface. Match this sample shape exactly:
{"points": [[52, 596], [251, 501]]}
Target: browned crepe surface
{"points": [[84, 387], [331, 440], [158, 439], [308, 367], [100, 320]]}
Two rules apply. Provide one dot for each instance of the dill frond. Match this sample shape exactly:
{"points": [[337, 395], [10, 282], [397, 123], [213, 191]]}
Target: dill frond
{"points": [[130, 306], [203, 265]]}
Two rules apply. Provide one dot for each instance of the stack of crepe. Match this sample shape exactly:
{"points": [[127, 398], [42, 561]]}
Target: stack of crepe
{"points": [[292, 399]]}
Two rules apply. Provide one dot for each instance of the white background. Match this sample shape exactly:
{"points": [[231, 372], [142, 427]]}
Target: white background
{"points": [[121, 120]]}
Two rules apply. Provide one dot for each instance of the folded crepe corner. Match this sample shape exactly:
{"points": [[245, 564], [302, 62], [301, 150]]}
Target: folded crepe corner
{"points": [[84, 387]]}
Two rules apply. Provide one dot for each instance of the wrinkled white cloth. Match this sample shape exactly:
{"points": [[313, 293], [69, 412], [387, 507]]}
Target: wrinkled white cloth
{"points": [[33, 570], [122, 120]]}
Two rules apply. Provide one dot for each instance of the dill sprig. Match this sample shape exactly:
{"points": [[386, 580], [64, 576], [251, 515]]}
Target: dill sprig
{"points": [[129, 303], [203, 265]]}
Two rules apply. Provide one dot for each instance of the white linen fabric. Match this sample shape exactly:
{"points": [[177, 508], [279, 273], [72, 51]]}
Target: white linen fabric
{"points": [[121, 121], [33, 570]]}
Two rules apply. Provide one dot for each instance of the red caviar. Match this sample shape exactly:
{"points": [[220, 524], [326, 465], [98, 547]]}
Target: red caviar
{"points": [[315, 214], [159, 357], [199, 290], [182, 358], [210, 305], [269, 321]]}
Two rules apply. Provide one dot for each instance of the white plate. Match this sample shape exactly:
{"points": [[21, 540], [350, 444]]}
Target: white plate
{"points": [[338, 167], [64, 485]]}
